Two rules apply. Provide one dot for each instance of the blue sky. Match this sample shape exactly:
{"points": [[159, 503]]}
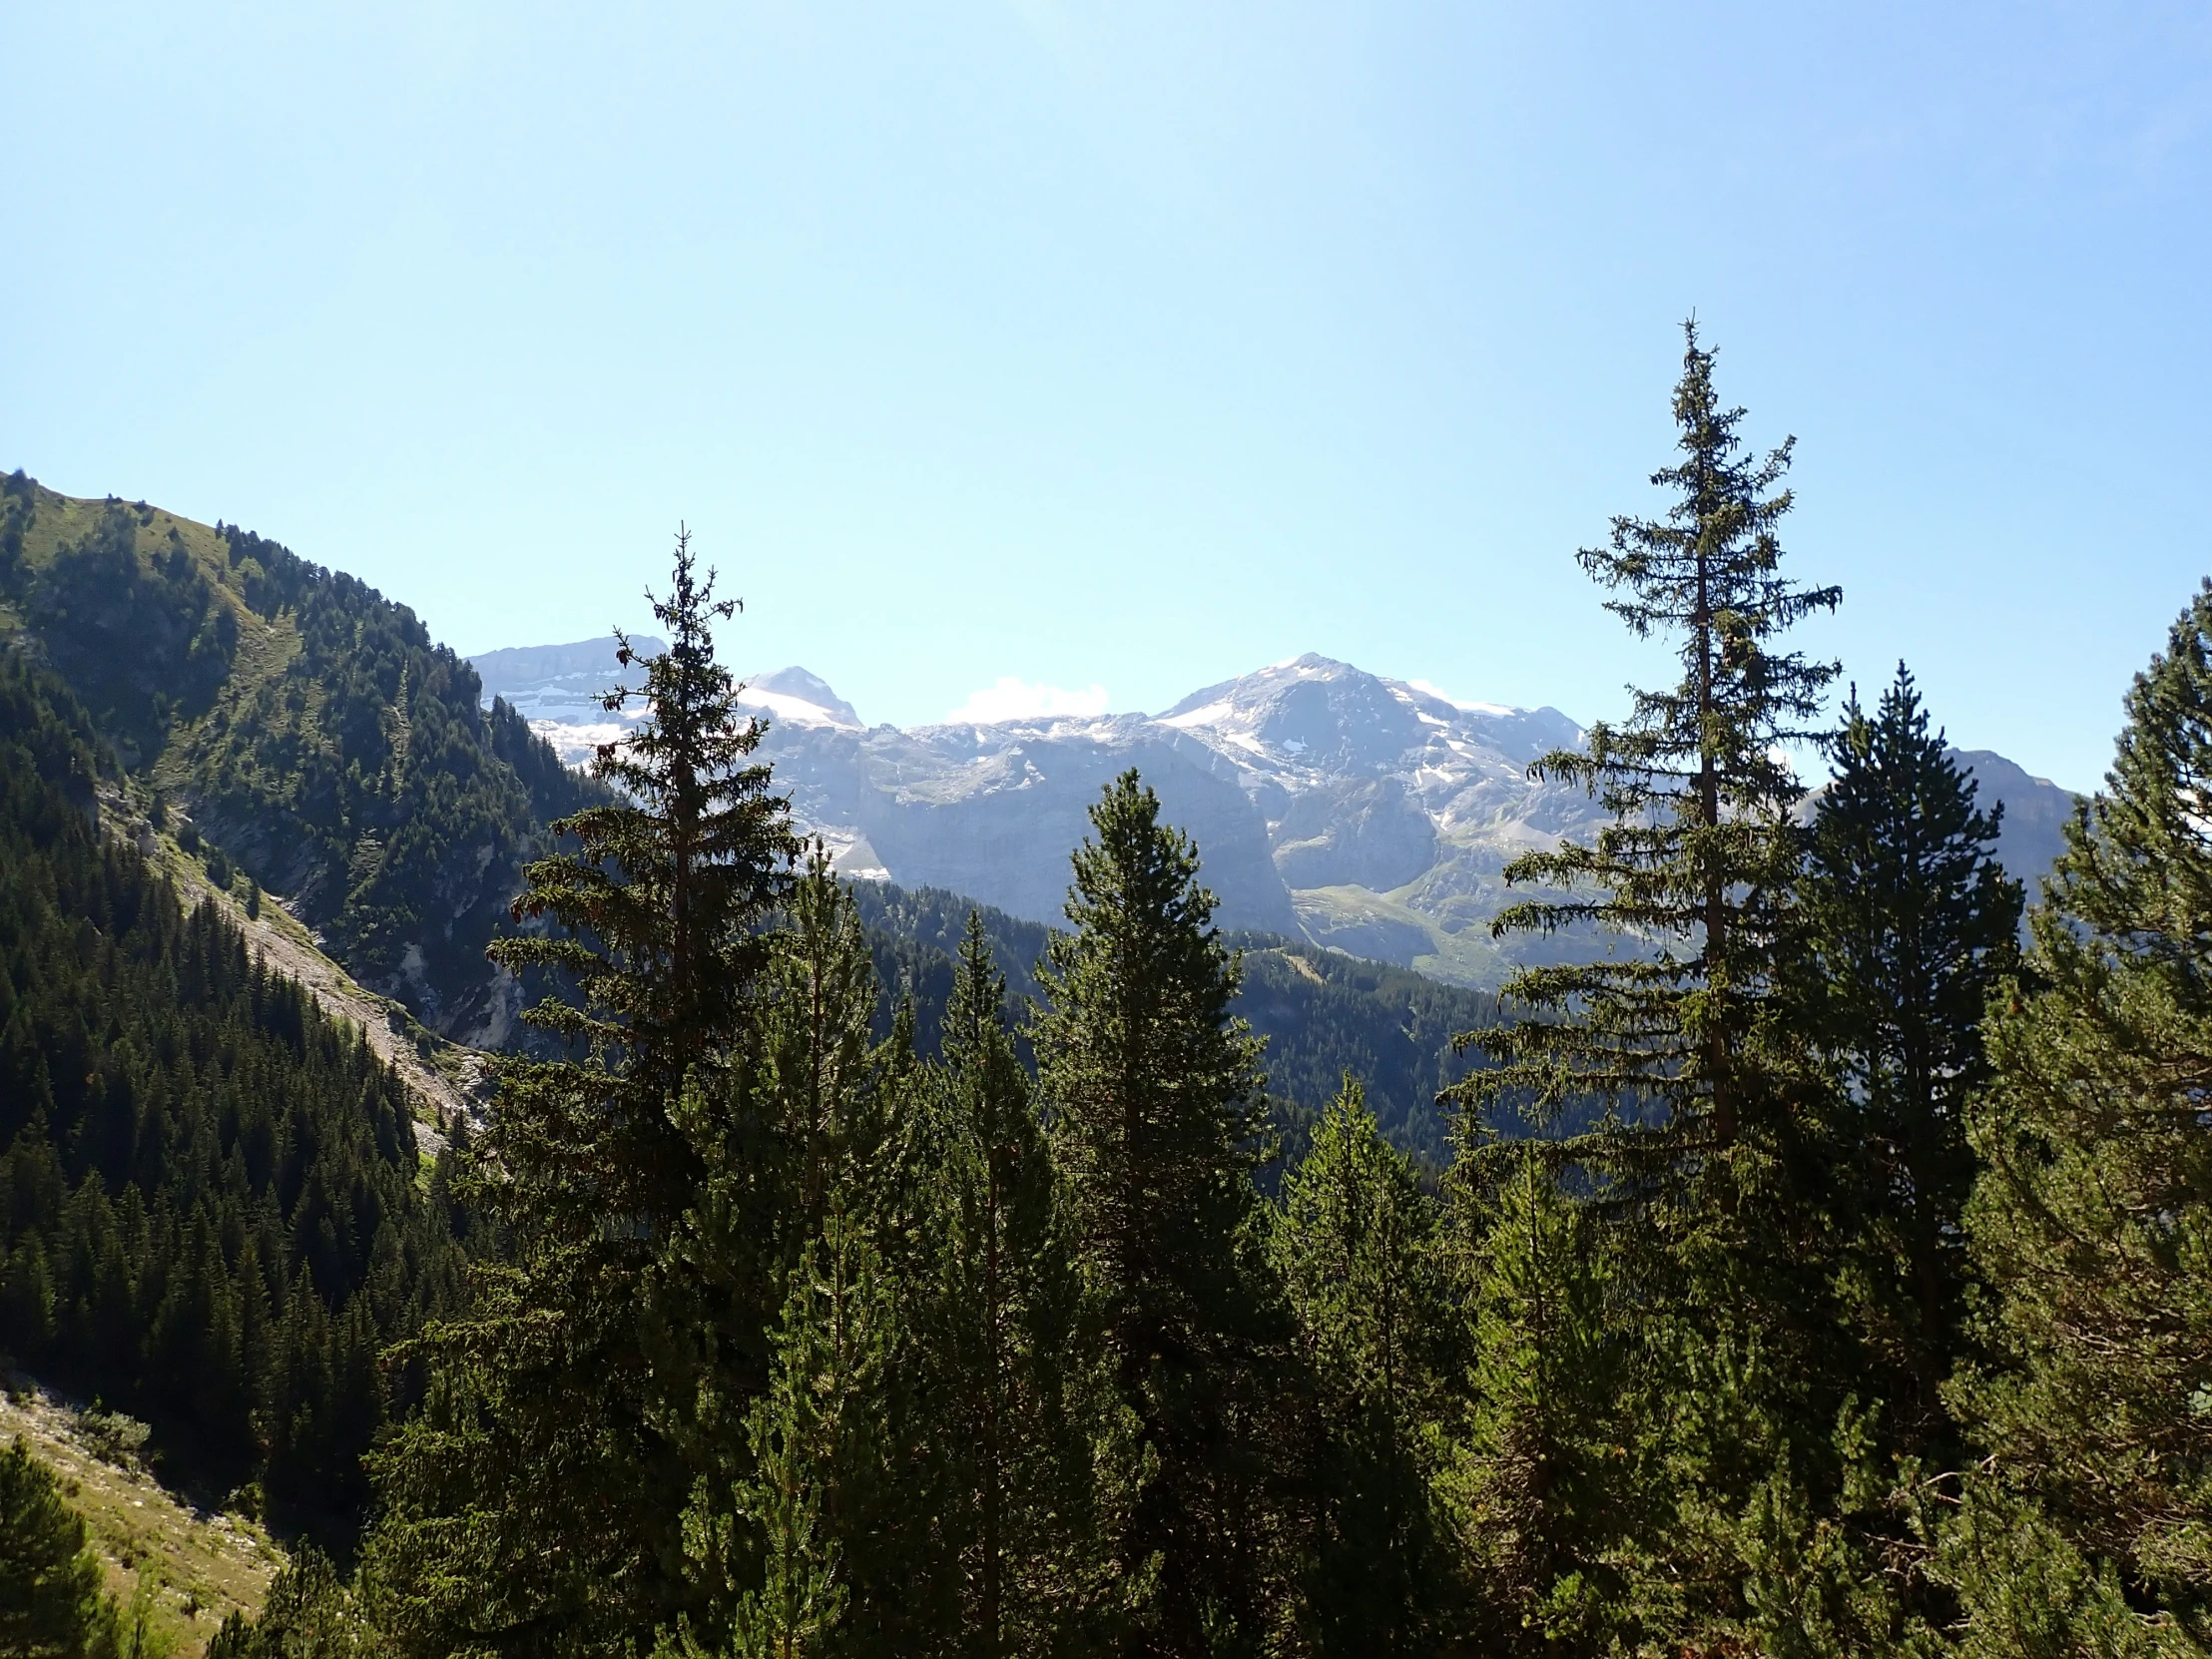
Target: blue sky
{"points": [[1123, 347]]}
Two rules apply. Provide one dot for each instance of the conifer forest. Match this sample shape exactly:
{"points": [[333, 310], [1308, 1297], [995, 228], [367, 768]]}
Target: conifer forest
{"points": [[1811, 1255]]}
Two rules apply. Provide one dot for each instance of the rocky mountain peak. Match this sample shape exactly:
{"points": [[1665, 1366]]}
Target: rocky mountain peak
{"points": [[558, 687], [795, 693], [1372, 815]]}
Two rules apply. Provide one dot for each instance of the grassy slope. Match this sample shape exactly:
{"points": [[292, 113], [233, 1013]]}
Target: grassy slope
{"points": [[201, 1565], [263, 646]]}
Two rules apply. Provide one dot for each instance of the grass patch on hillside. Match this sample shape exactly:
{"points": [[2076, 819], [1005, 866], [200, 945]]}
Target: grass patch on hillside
{"points": [[197, 1566]]}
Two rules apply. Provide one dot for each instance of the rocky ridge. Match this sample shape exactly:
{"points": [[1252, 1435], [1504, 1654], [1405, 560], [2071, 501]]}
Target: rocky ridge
{"points": [[1368, 814]]}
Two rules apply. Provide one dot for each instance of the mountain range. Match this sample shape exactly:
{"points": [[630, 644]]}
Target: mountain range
{"points": [[1363, 813], [283, 734]]}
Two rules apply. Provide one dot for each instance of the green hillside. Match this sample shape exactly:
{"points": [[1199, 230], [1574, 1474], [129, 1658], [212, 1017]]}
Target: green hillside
{"points": [[212, 1214], [1322, 1014], [304, 723]]}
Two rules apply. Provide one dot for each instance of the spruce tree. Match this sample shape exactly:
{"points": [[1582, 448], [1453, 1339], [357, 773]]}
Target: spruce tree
{"points": [[2092, 1220], [1153, 1092], [537, 1509], [1709, 1155], [1696, 873], [1911, 920]]}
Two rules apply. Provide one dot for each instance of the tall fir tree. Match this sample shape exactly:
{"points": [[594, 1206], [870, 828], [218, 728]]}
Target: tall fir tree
{"points": [[1696, 871], [1711, 1154], [1153, 1092], [1911, 922], [537, 1509], [2092, 1220]]}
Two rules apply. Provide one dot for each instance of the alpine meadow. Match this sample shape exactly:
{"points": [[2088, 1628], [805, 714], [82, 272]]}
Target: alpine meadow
{"points": [[577, 1211]]}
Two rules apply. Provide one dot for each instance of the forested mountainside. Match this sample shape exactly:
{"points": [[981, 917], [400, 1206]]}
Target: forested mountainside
{"points": [[1848, 1296], [1322, 1013], [212, 1215], [306, 725]]}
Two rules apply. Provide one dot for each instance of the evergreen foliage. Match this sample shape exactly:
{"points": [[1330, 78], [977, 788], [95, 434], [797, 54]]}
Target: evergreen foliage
{"points": [[51, 1606], [311, 728], [209, 1192], [1320, 1012], [810, 1233], [1009, 1350], [1710, 1163], [1550, 1480], [1153, 1091], [2092, 1219], [307, 1613], [829, 1296], [1362, 1254], [538, 1506], [1700, 861], [1911, 922]]}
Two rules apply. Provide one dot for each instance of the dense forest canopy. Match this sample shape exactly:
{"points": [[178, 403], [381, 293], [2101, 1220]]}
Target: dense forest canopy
{"points": [[211, 1206]]}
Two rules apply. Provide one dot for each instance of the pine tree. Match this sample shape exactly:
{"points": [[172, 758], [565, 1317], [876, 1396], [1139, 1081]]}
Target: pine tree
{"points": [[50, 1601], [1360, 1253], [816, 1050], [1005, 1343], [822, 1440], [1153, 1092], [1911, 922], [538, 1508], [2092, 1221], [1549, 1486], [823, 1131]]}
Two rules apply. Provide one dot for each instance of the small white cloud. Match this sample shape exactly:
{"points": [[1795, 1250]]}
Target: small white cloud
{"points": [[1011, 699]]}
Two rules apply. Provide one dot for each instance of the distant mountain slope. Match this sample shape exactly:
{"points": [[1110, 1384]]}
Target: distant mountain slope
{"points": [[2034, 833], [211, 1209], [1372, 815], [306, 724], [1322, 1014]]}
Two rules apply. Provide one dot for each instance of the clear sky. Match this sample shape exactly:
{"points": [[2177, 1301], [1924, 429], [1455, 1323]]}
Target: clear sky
{"points": [[1123, 347]]}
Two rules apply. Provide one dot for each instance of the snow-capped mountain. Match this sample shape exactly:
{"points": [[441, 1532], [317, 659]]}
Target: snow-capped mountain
{"points": [[558, 688], [1376, 816]]}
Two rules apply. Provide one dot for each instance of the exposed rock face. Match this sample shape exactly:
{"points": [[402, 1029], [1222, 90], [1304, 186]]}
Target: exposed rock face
{"points": [[993, 810], [2033, 831], [1374, 815], [1357, 833]]}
